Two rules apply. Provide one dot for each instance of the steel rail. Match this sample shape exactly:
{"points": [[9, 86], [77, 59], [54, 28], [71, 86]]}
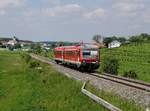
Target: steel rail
{"points": [[118, 79], [128, 79], [124, 82]]}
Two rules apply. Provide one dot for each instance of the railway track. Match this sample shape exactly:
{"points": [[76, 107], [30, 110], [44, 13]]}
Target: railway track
{"points": [[117, 79], [125, 81]]}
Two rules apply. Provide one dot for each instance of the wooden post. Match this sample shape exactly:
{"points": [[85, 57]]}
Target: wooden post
{"points": [[99, 100]]}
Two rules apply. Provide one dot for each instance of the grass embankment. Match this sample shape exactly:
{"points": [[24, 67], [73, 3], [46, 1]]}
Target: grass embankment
{"points": [[29, 89], [49, 54], [132, 57], [26, 89], [115, 100]]}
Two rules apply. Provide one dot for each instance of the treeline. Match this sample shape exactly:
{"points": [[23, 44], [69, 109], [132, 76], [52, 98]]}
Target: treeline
{"points": [[140, 38], [143, 37]]}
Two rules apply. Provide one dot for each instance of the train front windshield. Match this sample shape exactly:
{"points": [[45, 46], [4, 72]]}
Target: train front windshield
{"points": [[90, 53]]}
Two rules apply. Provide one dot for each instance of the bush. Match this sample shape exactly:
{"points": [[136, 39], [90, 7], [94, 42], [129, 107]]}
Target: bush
{"points": [[34, 64], [26, 57], [110, 65], [130, 74]]}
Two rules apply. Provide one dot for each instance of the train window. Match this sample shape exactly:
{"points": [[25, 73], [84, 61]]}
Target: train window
{"points": [[86, 54], [94, 52], [90, 53]]}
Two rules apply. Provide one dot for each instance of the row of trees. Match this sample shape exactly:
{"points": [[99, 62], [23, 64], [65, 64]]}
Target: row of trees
{"points": [[143, 37], [140, 38]]}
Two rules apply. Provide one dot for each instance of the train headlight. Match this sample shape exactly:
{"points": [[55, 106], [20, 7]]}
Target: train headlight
{"points": [[83, 62]]}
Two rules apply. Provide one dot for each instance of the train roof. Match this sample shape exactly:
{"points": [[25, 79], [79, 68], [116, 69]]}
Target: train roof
{"points": [[81, 46]]}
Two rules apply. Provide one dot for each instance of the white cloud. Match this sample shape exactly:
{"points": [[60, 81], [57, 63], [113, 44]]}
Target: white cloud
{"points": [[63, 9], [129, 7], [6, 4], [10, 3], [54, 1], [2, 12], [98, 13], [146, 17]]}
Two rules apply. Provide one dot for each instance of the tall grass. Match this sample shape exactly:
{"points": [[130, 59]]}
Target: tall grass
{"points": [[28, 89]]}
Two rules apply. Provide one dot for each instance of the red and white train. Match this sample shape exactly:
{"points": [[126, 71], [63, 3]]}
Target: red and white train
{"points": [[84, 56]]}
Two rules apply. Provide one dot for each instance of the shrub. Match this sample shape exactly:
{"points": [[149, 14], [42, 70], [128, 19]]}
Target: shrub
{"points": [[34, 64], [130, 74], [110, 65], [26, 57]]}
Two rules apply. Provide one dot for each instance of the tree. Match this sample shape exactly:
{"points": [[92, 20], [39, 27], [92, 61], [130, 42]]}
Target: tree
{"points": [[17, 46], [60, 44], [53, 45], [134, 39], [121, 39], [32, 46], [38, 48], [97, 38], [108, 40], [143, 37]]}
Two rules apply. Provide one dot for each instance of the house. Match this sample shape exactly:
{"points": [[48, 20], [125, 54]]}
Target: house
{"points": [[25, 42], [13, 42], [114, 44], [46, 45], [4, 41]]}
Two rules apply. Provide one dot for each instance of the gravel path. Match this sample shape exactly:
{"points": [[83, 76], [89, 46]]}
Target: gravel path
{"points": [[140, 97]]}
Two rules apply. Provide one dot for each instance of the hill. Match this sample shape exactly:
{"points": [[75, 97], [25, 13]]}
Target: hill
{"points": [[132, 57]]}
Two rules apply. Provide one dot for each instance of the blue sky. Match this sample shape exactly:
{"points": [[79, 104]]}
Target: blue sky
{"points": [[73, 20]]}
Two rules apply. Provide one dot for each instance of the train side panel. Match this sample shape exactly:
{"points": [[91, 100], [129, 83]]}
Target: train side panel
{"points": [[58, 53], [72, 55]]}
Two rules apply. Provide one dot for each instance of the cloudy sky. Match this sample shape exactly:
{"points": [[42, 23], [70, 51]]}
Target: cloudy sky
{"points": [[73, 20]]}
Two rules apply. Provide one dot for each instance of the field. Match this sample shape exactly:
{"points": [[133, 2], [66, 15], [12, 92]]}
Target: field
{"points": [[25, 89], [132, 57], [30, 89]]}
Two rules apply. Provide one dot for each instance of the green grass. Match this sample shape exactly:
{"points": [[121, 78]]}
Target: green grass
{"points": [[123, 104], [25, 89], [132, 57], [49, 54]]}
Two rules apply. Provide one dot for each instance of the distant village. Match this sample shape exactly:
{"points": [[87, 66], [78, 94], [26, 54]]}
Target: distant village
{"points": [[15, 43]]}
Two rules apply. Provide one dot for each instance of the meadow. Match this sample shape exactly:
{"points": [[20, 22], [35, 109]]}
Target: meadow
{"points": [[44, 89], [132, 57], [27, 89]]}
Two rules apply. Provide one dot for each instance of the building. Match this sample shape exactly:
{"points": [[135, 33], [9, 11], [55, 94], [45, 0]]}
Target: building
{"points": [[4, 41], [25, 42], [13, 41], [114, 44]]}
